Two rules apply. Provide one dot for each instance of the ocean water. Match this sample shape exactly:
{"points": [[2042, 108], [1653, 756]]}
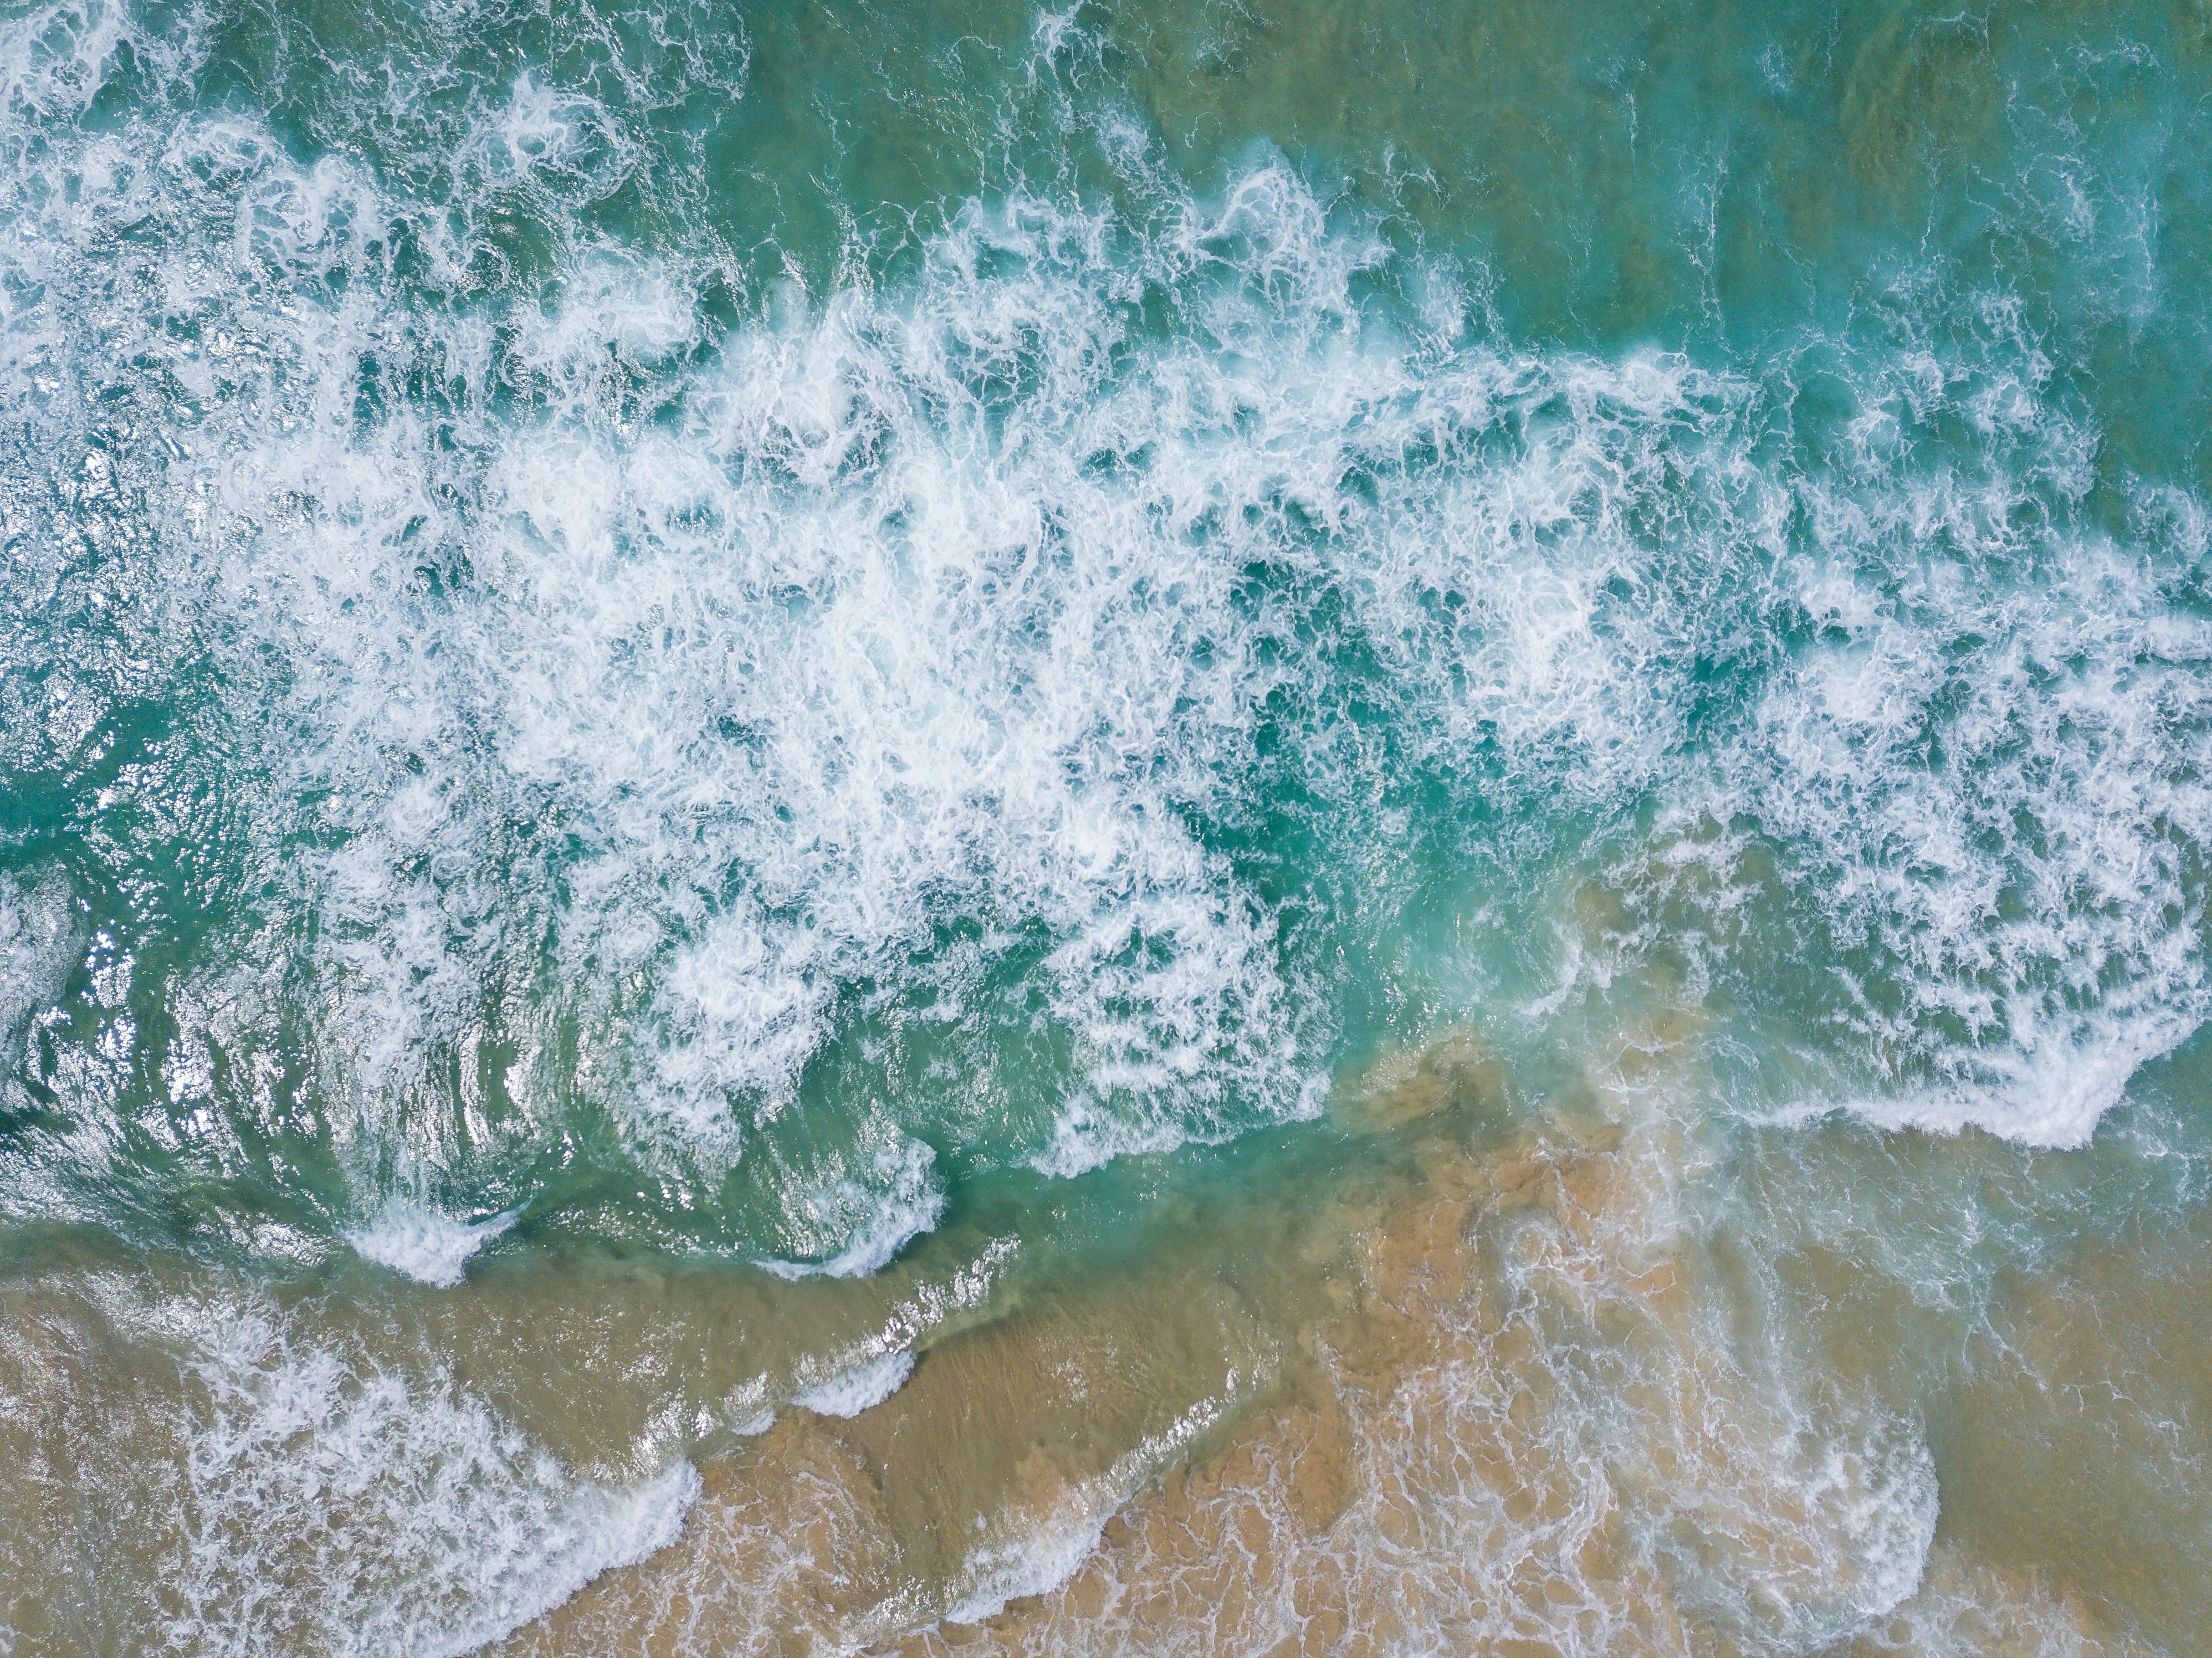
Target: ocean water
{"points": [[1242, 828]]}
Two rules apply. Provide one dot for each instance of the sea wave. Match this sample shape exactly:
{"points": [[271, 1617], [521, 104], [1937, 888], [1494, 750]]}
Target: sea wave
{"points": [[895, 701]]}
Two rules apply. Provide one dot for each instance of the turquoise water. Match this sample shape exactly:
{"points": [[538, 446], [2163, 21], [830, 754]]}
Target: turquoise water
{"points": [[831, 647]]}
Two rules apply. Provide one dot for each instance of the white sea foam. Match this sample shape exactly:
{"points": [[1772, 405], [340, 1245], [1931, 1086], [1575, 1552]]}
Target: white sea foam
{"points": [[424, 1243], [928, 635], [39, 943], [1044, 1551], [893, 1200], [859, 1387], [361, 1506]]}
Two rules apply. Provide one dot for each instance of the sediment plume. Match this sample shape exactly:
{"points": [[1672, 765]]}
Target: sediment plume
{"points": [[1497, 1386], [1516, 1416]]}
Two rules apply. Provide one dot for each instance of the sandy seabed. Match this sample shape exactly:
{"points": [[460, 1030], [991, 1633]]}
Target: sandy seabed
{"points": [[1500, 1369], [1492, 1397]]}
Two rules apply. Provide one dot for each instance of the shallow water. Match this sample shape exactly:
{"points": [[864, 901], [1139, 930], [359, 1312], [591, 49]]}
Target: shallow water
{"points": [[1227, 828]]}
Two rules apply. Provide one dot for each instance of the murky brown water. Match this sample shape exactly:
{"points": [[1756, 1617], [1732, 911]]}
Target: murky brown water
{"points": [[1499, 1386]]}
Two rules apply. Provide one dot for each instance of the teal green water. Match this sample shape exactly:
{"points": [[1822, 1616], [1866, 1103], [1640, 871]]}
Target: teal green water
{"points": [[783, 642]]}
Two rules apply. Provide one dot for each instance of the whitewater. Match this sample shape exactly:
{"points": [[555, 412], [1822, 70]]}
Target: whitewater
{"points": [[1200, 830]]}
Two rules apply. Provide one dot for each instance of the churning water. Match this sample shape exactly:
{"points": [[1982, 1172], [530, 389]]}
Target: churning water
{"points": [[1235, 829]]}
